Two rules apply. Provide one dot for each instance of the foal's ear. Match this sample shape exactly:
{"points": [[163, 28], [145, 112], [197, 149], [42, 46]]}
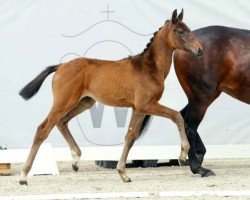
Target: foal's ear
{"points": [[180, 16], [174, 15]]}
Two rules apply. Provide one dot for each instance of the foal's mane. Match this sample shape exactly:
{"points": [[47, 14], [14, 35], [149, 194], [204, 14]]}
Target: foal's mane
{"points": [[147, 118], [152, 39]]}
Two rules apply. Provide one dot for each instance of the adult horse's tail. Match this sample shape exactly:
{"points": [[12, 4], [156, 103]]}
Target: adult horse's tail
{"points": [[33, 86]]}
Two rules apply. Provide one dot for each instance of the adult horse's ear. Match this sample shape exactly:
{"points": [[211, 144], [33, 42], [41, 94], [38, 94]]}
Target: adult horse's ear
{"points": [[174, 15], [180, 16]]}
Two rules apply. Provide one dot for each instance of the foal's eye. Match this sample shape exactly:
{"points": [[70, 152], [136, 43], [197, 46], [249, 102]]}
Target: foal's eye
{"points": [[180, 31]]}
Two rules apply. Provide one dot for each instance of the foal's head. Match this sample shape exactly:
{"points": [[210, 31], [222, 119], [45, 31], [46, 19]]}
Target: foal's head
{"points": [[180, 36]]}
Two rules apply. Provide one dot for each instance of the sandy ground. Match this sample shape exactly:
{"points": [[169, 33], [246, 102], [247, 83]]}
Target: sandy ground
{"points": [[231, 174]]}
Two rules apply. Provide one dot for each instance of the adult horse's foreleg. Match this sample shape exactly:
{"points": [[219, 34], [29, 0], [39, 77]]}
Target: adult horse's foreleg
{"points": [[199, 145], [193, 118], [194, 115], [131, 136], [62, 125], [154, 108], [200, 148]]}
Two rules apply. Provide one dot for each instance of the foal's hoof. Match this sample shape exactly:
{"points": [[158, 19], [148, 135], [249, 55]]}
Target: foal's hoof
{"points": [[127, 180], [205, 172], [181, 161], [23, 182], [75, 168]]}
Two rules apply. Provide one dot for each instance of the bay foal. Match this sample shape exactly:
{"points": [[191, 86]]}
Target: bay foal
{"points": [[136, 82]]}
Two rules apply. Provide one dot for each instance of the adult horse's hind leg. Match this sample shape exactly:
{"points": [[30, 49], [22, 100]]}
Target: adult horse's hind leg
{"points": [[62, 125], [131, 136]]}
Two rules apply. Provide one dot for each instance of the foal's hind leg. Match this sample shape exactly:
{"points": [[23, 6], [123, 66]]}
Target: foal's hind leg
{"points": [[56, 113], [62, 125], [132, 135]]}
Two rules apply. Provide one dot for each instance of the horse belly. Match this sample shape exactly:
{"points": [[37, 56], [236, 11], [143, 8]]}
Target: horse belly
{"points": [[241, 93], [116, 101], [244, 94], [112, 94]]}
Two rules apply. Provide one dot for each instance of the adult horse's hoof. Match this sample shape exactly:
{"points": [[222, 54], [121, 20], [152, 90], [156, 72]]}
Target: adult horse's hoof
{"points": [[75, 168], [205, 172], [23, 182]]}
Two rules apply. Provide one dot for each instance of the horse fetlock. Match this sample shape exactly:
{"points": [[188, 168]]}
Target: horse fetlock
{"points": [[76, 160], [123, 175], [200, 157], [120, 170], [185, 147], [182, 161], [195, 168]]}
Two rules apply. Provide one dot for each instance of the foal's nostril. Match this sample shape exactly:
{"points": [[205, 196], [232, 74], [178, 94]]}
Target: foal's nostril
{"points": [[199, 53]]}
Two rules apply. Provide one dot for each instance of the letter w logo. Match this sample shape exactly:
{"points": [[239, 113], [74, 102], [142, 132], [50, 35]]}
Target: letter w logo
{"points": [[96, 113]]}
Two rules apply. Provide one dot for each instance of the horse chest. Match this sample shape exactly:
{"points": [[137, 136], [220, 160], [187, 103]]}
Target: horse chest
{"points": [[154, 89]]}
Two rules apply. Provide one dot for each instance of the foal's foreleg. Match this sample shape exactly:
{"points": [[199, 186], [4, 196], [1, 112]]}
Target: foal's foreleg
{"points": [[155, 108], [131, 136], [62, 125]]}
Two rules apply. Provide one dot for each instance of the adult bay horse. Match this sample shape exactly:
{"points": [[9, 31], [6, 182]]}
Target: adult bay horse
{"points": [[136, 82], [225, 67]]}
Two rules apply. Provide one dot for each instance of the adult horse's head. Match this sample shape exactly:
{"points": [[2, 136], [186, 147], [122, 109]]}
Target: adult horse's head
{"points": [[180, 35]]}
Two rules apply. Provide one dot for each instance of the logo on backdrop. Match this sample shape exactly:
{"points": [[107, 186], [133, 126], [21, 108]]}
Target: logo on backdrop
{"points": [[96, 112]]}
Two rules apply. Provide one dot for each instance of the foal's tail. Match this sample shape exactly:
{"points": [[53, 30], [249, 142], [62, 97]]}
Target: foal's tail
{"points": [[33, 86]]}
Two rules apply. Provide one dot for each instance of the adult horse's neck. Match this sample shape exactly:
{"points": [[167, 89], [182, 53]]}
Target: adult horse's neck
{"points": [[158, 54]]}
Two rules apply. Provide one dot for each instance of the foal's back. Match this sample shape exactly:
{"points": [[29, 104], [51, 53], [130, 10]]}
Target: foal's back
{"points": [[110, 82]]}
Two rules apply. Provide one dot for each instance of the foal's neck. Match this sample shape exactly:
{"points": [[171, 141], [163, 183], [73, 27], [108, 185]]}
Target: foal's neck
{"points": [[159, 53]]}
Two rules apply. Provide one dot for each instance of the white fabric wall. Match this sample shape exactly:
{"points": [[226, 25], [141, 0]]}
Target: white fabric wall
{"points": [[32, 37]]}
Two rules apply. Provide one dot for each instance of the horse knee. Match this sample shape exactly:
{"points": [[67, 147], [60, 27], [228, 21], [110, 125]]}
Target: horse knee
{"points": [[178, 120], [190, 134]]}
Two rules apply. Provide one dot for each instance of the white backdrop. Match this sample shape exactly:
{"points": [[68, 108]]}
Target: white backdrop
{"points": [[35, 34]]}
